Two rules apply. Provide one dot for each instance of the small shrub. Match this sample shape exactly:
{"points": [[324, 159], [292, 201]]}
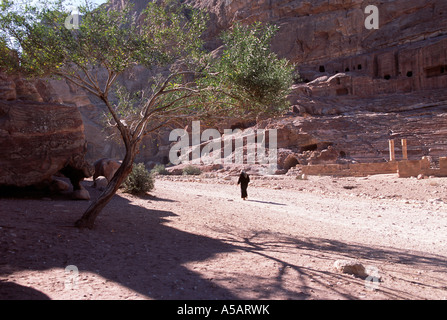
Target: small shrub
{"points": [[160, 169], [191, 170], [139, 180]]}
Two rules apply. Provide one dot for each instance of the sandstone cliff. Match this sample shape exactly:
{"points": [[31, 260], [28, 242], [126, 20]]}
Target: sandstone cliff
{"points": [[38, 139], [361, 87]]}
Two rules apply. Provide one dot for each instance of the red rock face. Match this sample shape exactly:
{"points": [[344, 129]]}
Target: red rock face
{"points": [[399, 69], [325, 38], [7, 88], [38, 139]]}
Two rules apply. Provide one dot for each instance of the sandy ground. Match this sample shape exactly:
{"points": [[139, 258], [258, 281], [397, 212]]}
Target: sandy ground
{"points": [[194, 238]]}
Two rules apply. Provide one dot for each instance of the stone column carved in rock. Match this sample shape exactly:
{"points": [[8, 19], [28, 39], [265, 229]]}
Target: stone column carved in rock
{"points": [[404, 149], [392, 153]]}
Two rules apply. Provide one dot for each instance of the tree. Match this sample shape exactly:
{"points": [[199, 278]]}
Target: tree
{"points": [[117, 41], [250, 72]]}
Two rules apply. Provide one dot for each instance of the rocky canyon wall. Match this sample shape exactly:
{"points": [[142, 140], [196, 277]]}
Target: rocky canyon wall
{"points": [[360, 86], [389, 81], [327, 37]]}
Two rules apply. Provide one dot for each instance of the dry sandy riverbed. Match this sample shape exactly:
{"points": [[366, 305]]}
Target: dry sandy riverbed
{"points": [[194, 238]]}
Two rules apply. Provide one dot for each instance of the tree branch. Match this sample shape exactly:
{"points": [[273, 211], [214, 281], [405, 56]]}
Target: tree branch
{"points": [[124, 132], [80, 84], [92, 82]]}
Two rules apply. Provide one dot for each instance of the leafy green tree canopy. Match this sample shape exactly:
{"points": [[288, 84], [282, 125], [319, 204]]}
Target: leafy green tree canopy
{"points": [[250, 73]]}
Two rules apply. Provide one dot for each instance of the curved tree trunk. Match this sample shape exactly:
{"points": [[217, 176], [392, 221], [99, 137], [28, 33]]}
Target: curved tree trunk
{"points": [[89, 217]]}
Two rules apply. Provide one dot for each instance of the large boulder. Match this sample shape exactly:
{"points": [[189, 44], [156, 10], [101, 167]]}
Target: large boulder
{"points": [[39, 140]]}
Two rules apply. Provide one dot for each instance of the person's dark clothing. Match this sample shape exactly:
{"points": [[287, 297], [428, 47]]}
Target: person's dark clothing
{"points": [[244, 179]]}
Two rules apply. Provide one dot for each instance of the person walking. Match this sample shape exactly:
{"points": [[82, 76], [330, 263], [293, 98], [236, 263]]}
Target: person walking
{"points": [[244, 179]]}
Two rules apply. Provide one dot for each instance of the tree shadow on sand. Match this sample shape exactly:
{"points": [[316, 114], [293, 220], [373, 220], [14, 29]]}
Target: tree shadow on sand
{"points": [[130, 245], [135, 247], [279, 248], [14, 291]]}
